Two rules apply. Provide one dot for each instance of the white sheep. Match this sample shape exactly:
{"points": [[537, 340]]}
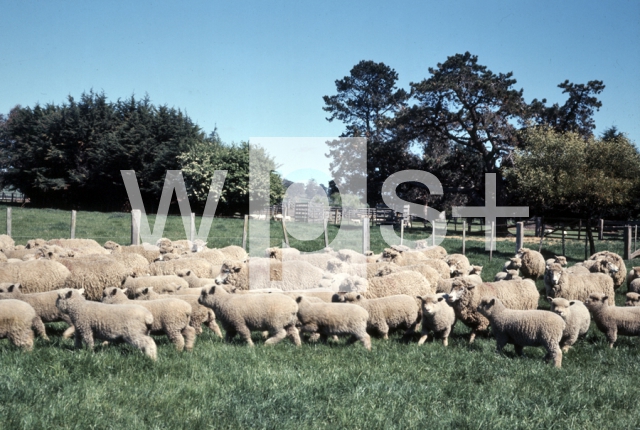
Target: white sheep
{"points": [[165, 284], [561, 260], [576, 317], [328, 319], [578, 287], [94, 273], [458, 264], [524, 328], [35, 276], [532, 263], [293, 274], [613, 267], [17, 323], [170, 316], [633, 299], [633, 285], [242, 313], [386, 314], [446, 285], [129, 323], [403, 282], [613, 320], [506, 276], [437, 317]]}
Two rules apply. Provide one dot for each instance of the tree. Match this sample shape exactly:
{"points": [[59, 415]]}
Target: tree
{"points": [[366, 101], [562, 174]]}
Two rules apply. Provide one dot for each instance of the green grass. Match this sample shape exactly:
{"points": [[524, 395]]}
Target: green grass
{"points": [[397, 385]]}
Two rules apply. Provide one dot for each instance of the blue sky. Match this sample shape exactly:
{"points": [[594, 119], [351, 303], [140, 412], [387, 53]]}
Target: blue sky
{"points": [[261, 68]]}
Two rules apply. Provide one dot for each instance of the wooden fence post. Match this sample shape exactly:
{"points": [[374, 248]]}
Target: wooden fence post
{"points": [[72, 235], [627, 243], [244, 232], [326, 233], [135, 226], [601, 230], [365, 235], [9, 222], [564, 233], [491, 243], [541, 238], [464, 235], [284, 233], [635, 239], [579, 227], [519, 235], [192, 229]]}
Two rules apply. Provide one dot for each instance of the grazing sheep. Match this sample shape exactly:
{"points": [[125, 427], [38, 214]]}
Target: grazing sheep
{"points": [[507, 276], [561, 260], [200, 267], [633, 299], [633, 275], [446, 285], [167, 284], [94, 273], [295, 275], [199, 314], [328, 319], [524, 328], [386, 313], [576, 317], [170, 316], [616, 267], [43, 303], [35, 276], [458, 265], [437, 317], [466, 296], [242, 313], [531, 263], [613, 320], [129, 323], [578, 287], [17, 323], [404, 282]]}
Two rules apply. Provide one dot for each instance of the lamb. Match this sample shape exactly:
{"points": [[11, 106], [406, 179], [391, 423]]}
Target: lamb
{"points": [[633, 274], [531, 263], [17, 323], [167, 284], [576, 317], [613, 320], [458, 264], [170, 316], [578, 287], [633, 299], [35, 276], [43, 303], [199, 314], [386, 313], [240, 314], [94, 273], [466, 296], [616, 267], [329, 319], [405, 282], [561, 260], [437, 317], [130, 323], [200, 267], [524, 328]]}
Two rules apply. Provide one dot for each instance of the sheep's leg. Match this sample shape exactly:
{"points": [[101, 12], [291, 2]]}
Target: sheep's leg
{"points": [[145, 344], [555, 353], [501, 341], [612, 336], [518, 349], [309, 328], [211, 323], [245, 333], [189, 334], [314, 337], [196, 323], [22, 339], [366, 340], [276, 337], [445, 336], [383, 328], [69, 332], [230, 334], [292, 333], [176, 338], [473, 336], [38, 327], [423, 338], [87, 338]]}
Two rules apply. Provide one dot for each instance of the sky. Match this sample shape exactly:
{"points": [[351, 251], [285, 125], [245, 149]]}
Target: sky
{"points": [[260, 68]]}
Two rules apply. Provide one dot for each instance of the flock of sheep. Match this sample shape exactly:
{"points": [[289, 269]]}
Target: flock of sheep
{"points": [[126, 293]]}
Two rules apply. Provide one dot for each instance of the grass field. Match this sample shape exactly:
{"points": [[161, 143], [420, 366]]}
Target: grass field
{"points": [[397, 385]]}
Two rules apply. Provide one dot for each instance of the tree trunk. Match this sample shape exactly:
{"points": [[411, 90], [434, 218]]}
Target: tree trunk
{"points": [[592, 245]]}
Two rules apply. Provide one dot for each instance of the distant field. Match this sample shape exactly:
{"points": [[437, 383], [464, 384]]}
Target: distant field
{"points": [[397, 385]]}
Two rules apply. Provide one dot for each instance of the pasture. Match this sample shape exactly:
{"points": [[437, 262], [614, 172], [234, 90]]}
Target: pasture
{"points": [[396, 385]]}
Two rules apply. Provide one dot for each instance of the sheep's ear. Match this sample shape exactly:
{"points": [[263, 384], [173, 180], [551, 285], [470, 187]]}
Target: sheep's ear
{"points": [[236, 268], [358, 297], [81, 291], [11, 288], [69, 294], [298, 299], [114, 291], [212, 289], [187, 273], [549, 298], [440, 298], [604, 299], [420, 298], [492, 302], [145, 290], [572, 302], [470, 287]]}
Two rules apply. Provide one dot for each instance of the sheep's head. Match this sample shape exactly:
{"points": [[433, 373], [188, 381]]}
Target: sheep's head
{"points": [[633, 299], [185, 273], [475, 270], [390, 254], [67, 297], [560, 306], [350, 297], [430, 302], [488, 306], [228, 269], [460, 288], [516, 263], [339, 297], [354, 284], [10, 288], [596, 301], [553, 273]]}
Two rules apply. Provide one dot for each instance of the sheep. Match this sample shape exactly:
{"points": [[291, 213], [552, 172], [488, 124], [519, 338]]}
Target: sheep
{"points": [[458, 264], [213, 256], [351, 256], [531, 263], [428, 272], [465, 297], [578, 287], [577, 270], [524, 328], [616, 267], [80, 247], [192, 280], [18, 320], [633, 299], [403, 258], [436, 251], [633, 274], [335, 266], [20, 253], [170, 316], [43, 303], [149, 252], [279, 254], [294, 274], [35, 276], [167, 284], [576, 317], [506, 276], [234, 252], [199, 314], [240, 314], [386, 313], [405, 282], [35, 243], [437, 317], [353, 284], [561, 260], [94, 273], [201, 267], [446, 285], [322, 294], [6, 242], [440, 266], [130, 323], [613, 320], [138, 265], [329, 319]]}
